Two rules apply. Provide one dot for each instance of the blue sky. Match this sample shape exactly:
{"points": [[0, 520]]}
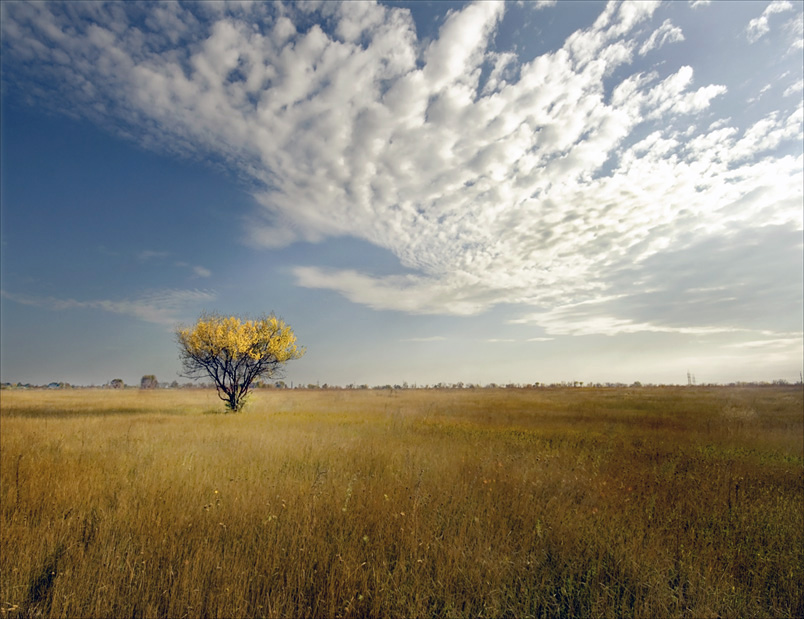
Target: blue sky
{"points": [[426, 192]]}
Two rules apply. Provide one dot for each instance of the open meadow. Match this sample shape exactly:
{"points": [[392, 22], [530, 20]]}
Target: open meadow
{"points": [[651, 502]]}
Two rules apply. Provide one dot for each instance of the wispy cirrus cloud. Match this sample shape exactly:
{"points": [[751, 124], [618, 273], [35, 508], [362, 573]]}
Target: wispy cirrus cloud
{"points": [[162, 307], [759, 26], [666, 33], [794, 89], [197, 270], [150, 255], [201, 271], [492, 180]]}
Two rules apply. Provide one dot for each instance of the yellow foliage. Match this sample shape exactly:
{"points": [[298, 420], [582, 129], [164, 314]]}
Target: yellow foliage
{"points": [[234, 352], [232, 338]]}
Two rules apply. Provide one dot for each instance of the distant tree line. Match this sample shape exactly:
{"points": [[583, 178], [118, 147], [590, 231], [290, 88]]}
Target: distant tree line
{"points": [[149, 382]]}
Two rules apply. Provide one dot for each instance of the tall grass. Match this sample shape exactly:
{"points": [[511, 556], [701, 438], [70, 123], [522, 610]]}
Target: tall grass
{"points": [[494, 503]]}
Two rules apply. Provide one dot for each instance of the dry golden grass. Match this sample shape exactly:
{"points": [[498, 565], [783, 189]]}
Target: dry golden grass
{"points": [[496, 503]]}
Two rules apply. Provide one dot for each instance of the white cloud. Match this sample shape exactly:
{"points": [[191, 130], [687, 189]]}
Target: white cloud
{"points": [[666, 33], [671, 95], [163, 307], [497, 77], [794, 89], [793, 341], [149, 254], [453, 58], [769, 132], [530, 188], [566, 321], [759, 27], [408, 293], [197, 270], [794, 28]]}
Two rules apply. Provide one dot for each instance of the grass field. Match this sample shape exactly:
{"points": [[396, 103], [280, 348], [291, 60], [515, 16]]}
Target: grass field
{"points": [[654, 502]]}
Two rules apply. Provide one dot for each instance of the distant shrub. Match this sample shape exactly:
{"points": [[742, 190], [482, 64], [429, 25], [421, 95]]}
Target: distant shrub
{"points": [[149, 382]]}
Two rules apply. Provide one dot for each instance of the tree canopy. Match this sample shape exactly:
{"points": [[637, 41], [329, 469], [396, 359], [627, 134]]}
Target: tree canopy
{"points": [[234, 352]]}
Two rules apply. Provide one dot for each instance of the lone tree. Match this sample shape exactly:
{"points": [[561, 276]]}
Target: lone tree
{"points": [[235, 352]]}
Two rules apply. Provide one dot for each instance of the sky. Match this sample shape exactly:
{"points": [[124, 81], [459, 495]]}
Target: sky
{"points": [[426, 192]]}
